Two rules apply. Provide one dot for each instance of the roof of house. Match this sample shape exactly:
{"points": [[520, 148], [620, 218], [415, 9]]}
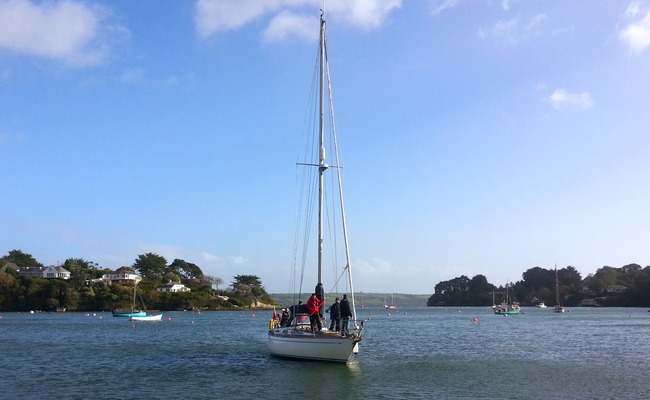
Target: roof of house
{"points": [[171, 284]]}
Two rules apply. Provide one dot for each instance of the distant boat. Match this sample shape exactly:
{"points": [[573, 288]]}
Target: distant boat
{"points": [[298, 341], [133, 314], [508, 306], [507, 309], [538, 303], [391, 306], [558, 305]]}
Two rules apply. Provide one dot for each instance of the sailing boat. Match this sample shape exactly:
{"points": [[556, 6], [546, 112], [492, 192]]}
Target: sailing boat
{"points": [[137, 315], [507, 306], [558, 306], [130, 312], [390, 306], [297, 340]]}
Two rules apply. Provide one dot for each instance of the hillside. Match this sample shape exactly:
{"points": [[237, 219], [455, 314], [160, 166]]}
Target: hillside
{"points": [[362, 299]]}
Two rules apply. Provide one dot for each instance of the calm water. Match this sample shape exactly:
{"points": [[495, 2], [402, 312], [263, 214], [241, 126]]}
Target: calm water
{"points": [[416, 353]]}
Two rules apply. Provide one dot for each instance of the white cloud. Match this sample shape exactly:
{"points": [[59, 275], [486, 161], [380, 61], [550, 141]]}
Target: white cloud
{"points": [[220, 261], [374, 266], [215, 16], [368, 14], [562, 99], [506, 29], [438, 7], [237, 260], [536, 21], [211, 258], [71, 31], [636, 34], [514, 30], [287, 24]]}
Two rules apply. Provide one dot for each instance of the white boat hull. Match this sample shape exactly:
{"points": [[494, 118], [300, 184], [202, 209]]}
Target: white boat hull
{"points": [[157, 317], [324, 346]]}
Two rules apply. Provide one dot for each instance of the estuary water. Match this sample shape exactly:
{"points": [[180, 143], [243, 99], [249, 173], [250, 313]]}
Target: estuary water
{"points": [[414, 353]]}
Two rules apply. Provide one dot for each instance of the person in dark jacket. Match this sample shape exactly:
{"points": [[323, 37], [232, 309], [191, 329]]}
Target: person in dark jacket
{"points": [[295, 310], [335, 316], [346, 313], [285, 320]]}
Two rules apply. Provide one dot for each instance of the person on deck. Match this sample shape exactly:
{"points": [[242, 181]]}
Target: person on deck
{"points": [[295, 310], [346, 313], [335, 316], [286, 317], [313, 308]]}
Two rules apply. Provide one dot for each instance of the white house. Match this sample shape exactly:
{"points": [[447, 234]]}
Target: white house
{"points": [[50, 272], [121, 276], [173, 287], [616, 289]]}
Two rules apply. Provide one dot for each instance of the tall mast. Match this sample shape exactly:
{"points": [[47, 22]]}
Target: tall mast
{"points": [[340, 184], [322, 166], [557, 288]]}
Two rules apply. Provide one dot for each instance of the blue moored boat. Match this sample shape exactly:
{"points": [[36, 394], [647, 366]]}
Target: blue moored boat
{"points": [[127, 312]]}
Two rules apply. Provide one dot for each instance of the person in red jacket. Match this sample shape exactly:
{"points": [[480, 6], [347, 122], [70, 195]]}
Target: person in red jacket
{"points": [[313, 308]]}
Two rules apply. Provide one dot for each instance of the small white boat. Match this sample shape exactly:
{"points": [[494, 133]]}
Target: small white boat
{"points": [[540, 305], [156, 317]]}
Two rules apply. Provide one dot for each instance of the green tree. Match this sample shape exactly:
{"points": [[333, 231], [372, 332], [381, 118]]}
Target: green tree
{"points": [[452, 292], [9, 289], [604, 277], [71, 299], [250, 288], [250, 280], [185, 270], [81, 271], [151, 266], [22, 259], [214, 280], [480, 290], [536, 278]]}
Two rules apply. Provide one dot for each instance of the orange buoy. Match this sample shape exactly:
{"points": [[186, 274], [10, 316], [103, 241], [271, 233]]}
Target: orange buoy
{"points": [[474, 319]]}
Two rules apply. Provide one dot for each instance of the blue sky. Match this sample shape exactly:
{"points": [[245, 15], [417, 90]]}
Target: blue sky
{"points": [[480, 137]]}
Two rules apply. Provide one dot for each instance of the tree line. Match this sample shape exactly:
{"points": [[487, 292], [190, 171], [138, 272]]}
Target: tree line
{"points": [[628, 286], [85, 291]]}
